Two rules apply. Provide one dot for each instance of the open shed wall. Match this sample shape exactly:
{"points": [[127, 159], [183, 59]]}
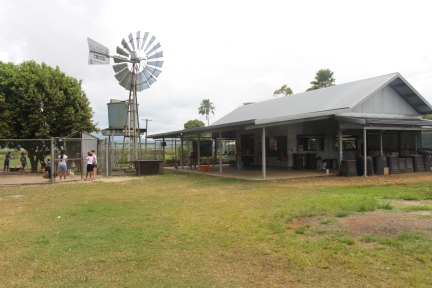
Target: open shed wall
{"points": [[327, 128]]}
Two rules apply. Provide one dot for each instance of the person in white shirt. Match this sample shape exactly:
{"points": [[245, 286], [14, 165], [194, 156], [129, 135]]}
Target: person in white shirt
{"points": [[95, 164], [62, 159], [89, 162]]}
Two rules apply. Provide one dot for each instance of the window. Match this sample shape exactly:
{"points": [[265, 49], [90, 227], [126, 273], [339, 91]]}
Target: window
{"points": [[276, 145], [348, 143], [310, 143]]}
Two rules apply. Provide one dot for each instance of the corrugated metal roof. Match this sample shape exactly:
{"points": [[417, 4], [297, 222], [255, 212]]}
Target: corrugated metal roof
{"points": [[326, 101]]}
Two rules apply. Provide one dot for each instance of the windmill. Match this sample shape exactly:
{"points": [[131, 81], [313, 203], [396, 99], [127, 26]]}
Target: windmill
{"points": [[137, 67]]}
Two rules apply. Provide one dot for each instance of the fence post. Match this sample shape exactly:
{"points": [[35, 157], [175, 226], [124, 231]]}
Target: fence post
{"points": [[53, 162], [106, 157]]}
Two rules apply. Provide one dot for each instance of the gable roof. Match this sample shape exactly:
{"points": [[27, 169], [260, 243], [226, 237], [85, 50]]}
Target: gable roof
{"points": [[326, 101], [81, 135], [335, 101]]}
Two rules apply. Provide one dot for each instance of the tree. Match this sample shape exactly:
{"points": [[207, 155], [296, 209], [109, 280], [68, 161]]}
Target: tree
{"points": [[284, 91], [40, 102], [248, 103], [193, 124], [189, 125], [206, 107], [323, 78]]}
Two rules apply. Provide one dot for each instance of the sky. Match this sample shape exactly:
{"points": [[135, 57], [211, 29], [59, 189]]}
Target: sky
{"points": [[230, 52]]}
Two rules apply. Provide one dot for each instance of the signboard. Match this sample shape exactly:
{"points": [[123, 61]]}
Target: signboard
{"points": [[96, 58], [98, 54]]}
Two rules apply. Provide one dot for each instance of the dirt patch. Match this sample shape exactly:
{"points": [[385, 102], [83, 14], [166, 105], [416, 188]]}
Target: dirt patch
{"points": [[28, 178], [379, 222]]}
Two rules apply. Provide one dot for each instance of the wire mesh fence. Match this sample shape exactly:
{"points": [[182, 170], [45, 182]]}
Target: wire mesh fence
{"points": [[34, 161]]}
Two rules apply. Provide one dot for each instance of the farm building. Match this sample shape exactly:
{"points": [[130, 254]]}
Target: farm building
{"points": [[380, 116]]}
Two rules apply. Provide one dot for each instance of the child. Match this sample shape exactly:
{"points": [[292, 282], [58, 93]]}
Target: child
{"points": [[48, 167], [23, 161], [89, 162], [7, 161]]}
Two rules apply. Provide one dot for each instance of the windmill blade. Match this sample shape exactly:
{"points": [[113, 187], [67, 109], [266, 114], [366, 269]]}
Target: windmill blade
{"points": [[157, 55], [119, 67], [138, 38], [146, 74], [119, 59], [157, 46], [144, 40], [126, 80], [131, 41], [125, 45], [151, 41], [141, 83], [145, 85], [155, 72], [122, 52], [151, 80], [122, 73], [140, 78], [155, 63]]}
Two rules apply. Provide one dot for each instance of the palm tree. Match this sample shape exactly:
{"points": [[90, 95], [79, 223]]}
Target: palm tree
{"points": [[206, 107]]}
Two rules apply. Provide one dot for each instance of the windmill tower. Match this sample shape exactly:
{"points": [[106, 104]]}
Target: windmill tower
{"points": [[137, 66]]}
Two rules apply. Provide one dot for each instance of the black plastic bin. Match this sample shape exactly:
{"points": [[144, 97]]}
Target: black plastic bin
{"points": [[417, 162], [369, 166], [380, 162], [310, 160], [427, 159], [298, 161], [393, 164], [348, 168]]}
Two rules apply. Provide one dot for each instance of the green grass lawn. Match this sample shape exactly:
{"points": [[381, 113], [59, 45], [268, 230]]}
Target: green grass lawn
{"points": [[190, 230]]}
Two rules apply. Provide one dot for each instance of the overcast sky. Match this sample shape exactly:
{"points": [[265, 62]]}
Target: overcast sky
{"points": [[230, 52]]}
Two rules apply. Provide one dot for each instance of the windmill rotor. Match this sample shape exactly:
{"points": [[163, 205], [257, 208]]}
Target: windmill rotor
{"points": [[139, 60]]}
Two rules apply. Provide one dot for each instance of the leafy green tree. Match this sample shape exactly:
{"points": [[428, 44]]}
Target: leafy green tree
{"points": [[206, 107], [283, 91], [426, 117], [40, 102], [189, 125], [323, 78], [248, 103], [193, 124]]}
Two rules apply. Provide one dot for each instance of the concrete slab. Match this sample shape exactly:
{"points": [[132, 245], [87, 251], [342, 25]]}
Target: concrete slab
{"points": [[256, 173]]}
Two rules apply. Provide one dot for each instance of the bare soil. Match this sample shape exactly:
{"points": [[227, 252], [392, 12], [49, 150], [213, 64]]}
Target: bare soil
{"points": [[379, 222], [27, 178]]}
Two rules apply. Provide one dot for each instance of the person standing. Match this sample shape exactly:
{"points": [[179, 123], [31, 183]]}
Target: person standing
{"points": [[95, 164], [8, 157], [89, 162], [48, 167], [23, 161], [42, 161], [62, 159]]}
